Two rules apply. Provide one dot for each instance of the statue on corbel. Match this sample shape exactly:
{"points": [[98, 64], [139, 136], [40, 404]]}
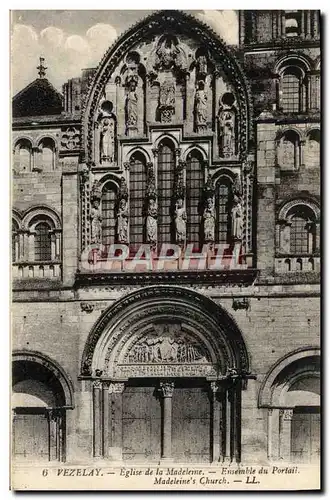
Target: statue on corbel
{"points": [[237, 210], [180, 215], [122, 212], [152, 208], [131, 108], [95, 214], [105, 128], [209, 211]]}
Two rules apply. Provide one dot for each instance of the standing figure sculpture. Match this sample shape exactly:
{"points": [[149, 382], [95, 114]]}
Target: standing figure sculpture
{"points": [[180, 221], [152, 213], [200, 107], [209, 220], [122, 221], [227, 139], [236, 218], [96, 221], [107, 140], [131, 106]]}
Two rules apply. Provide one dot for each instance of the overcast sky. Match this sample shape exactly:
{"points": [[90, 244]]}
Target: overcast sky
{"points": [[74, 39]]}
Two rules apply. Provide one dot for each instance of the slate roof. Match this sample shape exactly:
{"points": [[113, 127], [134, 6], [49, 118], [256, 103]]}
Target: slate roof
{"points": [[38, 98]]}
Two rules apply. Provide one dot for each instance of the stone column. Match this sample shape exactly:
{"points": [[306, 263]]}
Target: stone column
{"points": [[115, 425], [308, 24], [97, 419], [285, 434], [283, 24], [167, 389], [215, 422], [269, 434], [106, 428], [228, 411]]}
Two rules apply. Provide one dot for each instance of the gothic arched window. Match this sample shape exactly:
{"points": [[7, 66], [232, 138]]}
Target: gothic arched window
{"points": [[194, 186], [108, 203], [42, 242], [166, 165], [223, 194], [137, 193]]}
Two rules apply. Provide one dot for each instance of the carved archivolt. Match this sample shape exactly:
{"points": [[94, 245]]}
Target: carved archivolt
{"points": [[157, 327]]}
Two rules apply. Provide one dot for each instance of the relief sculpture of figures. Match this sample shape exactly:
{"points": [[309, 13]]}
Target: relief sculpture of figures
{"points": [[180, 221], [200, 108], [167, 347], [167, 101], [107, 140]]}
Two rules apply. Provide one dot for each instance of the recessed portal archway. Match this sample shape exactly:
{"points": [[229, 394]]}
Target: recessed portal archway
{"points": [[166, 358]]}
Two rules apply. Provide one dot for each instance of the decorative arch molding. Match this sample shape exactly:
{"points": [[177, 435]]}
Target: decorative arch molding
{"points": [[192, 148], [17, 217], [224, 173], [46, 136], [284, 130], [135, 313], [53, 367], [314, 128], [154, 25], [265, 392], [110, 178], [307, 202], [39, 211], [167, 137], [290, 59], [138, 149], [23, 138]]}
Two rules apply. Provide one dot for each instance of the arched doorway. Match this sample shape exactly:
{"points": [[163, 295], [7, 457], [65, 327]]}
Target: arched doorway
{"points": [[168, 367], [291, 392], [41, 395]]}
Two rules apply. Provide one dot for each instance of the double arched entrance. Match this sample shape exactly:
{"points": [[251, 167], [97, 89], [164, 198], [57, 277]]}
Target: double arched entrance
{"points": [[168, 366]]}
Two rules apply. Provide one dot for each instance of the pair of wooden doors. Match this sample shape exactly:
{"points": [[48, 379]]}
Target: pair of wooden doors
{"points": [[142, 422], [305, 435]]}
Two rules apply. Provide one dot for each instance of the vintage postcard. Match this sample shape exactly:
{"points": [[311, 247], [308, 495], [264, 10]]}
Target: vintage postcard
{"points": [[165, 250]]}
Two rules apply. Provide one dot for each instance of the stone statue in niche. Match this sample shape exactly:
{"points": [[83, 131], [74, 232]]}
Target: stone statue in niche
{"points": [[95, 214], [209, 220], [180, 221], [168, 344], [200, 107], [131, 106], [227, 135], [107, 140], [236, 218]]}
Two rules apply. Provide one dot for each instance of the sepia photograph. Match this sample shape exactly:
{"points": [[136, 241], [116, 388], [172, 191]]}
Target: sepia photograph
{"points": [[165, 250]]}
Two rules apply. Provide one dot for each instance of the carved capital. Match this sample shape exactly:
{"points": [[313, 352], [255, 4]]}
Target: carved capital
{"points": [[167, 389], [287, 414], [127, 165], [178, 152], [155, 152], [116, 387], [97, 384]]}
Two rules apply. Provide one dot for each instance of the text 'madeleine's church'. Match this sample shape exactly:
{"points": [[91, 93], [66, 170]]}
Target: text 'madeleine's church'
{"points": [[177, 139]]}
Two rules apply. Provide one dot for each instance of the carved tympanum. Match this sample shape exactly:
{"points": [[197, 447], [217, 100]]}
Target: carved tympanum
{"points": [[167, 344]]}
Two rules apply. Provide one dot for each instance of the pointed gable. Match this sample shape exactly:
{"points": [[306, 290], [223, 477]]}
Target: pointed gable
{"points": [[38, 98]]}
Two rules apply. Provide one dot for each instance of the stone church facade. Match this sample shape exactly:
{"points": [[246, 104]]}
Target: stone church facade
{"points": [[166, 249]]}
